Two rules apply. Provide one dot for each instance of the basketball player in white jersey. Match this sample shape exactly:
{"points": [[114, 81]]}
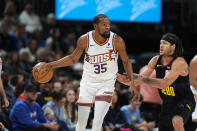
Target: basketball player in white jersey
{"points": [[193, 82], [99, 71]]}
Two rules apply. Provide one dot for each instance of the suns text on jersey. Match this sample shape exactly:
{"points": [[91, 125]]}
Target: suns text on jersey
{"points": [[101, 58]]}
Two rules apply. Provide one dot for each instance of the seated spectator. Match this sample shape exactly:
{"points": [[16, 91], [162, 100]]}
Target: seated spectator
{"points": [[27, 114], [70, 109], [45, 93], [7, 42], [10, 9], [131, 114], [12, 64], [57, 107], [57, 86], [67, 83], [50, 25], [31, 20], [113, 118]]}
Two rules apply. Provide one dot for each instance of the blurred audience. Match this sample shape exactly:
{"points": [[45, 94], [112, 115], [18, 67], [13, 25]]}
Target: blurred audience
{"points": [[132, 116], [27, 114], [7, 42], [31, 20], [45, 93], [70, 109], [57, 107], [113, 119]]}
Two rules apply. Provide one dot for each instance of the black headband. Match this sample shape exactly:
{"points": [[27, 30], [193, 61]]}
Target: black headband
{"points": [[170, 39]]}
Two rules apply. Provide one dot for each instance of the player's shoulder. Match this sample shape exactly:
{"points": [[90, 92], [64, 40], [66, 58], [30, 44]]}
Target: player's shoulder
{"points": [[180, 61], [194, 59], [82, 40], [117, 38], [83, 37]]}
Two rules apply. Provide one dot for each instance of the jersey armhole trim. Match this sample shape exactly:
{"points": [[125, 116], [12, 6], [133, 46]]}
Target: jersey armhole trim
{"points": [[113, 43], [87, 42]]}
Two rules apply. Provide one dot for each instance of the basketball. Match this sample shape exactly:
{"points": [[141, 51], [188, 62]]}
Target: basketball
{"points": [[42, 73]]}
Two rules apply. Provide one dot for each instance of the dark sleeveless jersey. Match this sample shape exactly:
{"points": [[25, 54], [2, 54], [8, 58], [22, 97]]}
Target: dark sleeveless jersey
{"points": [[178, 92]]}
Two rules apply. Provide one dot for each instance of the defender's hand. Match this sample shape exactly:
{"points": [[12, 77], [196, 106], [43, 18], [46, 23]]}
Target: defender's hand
{"points": [[123, 79]]}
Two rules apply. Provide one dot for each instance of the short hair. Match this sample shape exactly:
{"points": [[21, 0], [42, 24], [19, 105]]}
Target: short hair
{"points": [[130, 97], [97, 18], [174, 39], [57, 96]]}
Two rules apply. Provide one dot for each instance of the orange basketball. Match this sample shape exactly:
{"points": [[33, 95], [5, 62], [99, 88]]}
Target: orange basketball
{"points": [[42, 73]]}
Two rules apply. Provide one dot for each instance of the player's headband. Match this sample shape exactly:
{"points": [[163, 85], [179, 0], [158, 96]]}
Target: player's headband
{"points": [[169, 39]]}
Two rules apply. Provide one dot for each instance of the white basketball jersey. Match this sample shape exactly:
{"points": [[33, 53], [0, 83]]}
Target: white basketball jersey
{"points": [[100, 62]]}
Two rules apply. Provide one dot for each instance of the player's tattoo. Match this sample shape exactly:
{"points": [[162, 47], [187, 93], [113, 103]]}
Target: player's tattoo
{"points": [[150, 81], [136, 76]]}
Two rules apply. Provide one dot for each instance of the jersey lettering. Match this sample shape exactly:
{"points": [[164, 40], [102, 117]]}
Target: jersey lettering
{"points": [[101, 58], [168, 91]]}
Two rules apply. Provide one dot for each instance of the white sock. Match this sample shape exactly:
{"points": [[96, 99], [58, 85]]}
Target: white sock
{"points": [[101, 109], [83, 114]]}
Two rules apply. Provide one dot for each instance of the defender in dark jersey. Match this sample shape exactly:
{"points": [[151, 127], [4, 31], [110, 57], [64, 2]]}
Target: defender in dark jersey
{"points": [[172, 79]]}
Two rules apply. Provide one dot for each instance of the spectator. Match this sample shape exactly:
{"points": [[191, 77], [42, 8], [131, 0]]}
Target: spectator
{"points": [[42, 54], [32, 47], [57, 86], [12, 64], [70, 109], [31, 20], [27, 115], [38, 36], [54, 41], [113, 119], [21, 35], [24, 63], [151, 104], [6, 40], [10, 10], [50, 26], [45, 93], [131, 114], [14, 87], [57, 107], [67, 83]]}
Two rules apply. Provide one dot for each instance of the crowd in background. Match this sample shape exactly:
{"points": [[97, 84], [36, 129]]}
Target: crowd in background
{"points": [[26, 39]]}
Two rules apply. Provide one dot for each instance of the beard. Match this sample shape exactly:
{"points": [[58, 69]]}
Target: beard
{"points": [[105, 35]]}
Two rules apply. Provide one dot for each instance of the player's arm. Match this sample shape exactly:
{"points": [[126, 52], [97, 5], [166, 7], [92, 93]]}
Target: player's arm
{"points": [[193, 72], [145, 73], [120, 47], [150, 67], [6, 102], [74, 57], [178, 66]]}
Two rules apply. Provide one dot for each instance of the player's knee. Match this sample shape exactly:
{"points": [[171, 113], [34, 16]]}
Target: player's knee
{"points": [[177, 121]]}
